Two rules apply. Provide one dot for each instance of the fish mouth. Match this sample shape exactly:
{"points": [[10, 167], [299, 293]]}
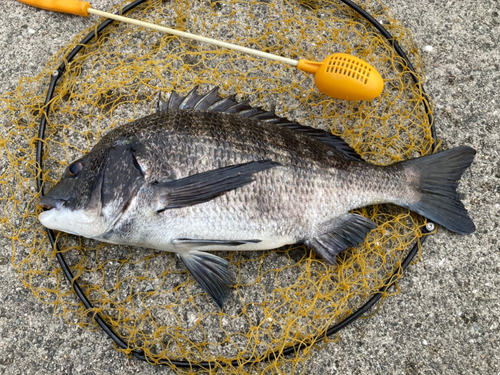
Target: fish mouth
{"points": [[51, 207], [49, 203]]}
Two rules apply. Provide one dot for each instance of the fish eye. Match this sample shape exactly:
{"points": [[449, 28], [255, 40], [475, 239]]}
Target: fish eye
{"points": [[75, 168]]}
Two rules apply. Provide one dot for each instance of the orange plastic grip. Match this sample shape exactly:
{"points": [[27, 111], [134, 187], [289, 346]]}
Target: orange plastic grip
{"points": [[344, 76], [79, 8]]}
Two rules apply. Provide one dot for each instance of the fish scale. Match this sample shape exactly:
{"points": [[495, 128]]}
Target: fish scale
{"points": [[191, 181]]}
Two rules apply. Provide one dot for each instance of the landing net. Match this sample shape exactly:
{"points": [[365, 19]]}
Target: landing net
{"points": [[282, 297]]}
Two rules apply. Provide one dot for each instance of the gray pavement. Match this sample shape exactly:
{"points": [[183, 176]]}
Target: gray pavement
{"points": [[445, 320]]}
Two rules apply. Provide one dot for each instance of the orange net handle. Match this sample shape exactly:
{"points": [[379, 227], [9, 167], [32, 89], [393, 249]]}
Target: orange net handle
{"points": [[79, 8]]}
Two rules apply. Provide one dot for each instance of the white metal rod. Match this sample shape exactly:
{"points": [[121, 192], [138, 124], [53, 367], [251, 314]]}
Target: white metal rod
{"points": [[167, 30]]}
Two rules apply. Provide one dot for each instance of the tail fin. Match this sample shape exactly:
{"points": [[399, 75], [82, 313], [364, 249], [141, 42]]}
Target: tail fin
{"points": [[439, 200]]}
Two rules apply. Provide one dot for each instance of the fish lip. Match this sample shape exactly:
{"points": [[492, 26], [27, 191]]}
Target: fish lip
{"points": [[44, 215], [49, 203]]}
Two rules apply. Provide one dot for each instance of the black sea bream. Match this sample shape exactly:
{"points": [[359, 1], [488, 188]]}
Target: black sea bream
{"points": [[206, 173]]}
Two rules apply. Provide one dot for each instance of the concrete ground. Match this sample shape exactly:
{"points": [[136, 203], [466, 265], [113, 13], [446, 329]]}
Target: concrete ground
{"points": [[445, 320]]}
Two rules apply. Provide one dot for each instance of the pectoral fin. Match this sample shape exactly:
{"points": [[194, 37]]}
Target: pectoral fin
{"points": [[211, 272], [347, 231], [205, 186]]}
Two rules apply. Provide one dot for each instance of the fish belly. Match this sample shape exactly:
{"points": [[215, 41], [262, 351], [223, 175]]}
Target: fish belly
{"points": [[279, 208]]}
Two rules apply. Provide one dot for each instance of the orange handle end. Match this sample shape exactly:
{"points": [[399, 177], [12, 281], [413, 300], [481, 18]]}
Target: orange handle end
{"points": [[78, 8]]}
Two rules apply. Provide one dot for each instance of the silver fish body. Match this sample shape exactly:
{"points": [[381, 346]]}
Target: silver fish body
{"points": [[207, 173]]}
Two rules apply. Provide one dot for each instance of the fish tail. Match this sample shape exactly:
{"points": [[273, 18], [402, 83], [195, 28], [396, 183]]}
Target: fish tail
{"points": [[437, 188]]}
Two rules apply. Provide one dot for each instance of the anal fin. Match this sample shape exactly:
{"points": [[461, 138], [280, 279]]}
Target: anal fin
{"points": [[211, 272], [346, 231]]}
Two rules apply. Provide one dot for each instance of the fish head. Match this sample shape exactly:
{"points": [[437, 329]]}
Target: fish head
{"points": [[93, 192], [74, 204]]}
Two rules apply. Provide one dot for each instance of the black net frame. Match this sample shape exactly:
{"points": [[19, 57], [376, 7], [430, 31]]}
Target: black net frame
{"points": [[139, 354]]}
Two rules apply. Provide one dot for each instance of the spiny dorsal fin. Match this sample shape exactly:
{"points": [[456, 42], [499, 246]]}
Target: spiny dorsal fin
{"points": [[213, 102]]}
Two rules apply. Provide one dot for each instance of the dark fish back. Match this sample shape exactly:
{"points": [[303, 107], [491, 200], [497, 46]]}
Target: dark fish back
{"points": [[193, 137]]}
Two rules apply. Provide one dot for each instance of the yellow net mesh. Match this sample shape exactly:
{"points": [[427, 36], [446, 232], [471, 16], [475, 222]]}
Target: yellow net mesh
{"points": [[282, 297]]}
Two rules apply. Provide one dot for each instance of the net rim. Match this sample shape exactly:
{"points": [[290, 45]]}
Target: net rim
{"points": [[139, 354]]}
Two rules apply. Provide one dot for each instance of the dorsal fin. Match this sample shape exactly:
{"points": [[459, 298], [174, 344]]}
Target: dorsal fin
{"points": [[213, 102], [327, 138]]}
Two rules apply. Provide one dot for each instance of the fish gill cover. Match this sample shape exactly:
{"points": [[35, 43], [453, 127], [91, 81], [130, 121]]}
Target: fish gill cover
{"points": [[281, 297]]}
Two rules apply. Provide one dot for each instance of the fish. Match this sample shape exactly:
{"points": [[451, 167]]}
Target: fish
{"points": [[206, 173]]}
